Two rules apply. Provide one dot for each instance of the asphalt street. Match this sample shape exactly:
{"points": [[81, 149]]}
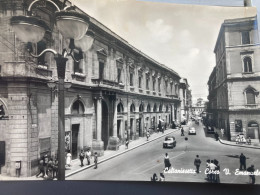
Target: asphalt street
{"points": [[141, 163]]}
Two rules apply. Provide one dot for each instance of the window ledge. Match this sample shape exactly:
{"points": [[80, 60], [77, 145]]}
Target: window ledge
{"points": [[78, 76], [140, 90], [43, 70], [247, 72]]}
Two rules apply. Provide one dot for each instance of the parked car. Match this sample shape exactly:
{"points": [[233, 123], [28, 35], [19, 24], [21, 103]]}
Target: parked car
{"points": [[192, 130], [210, 129], [169, 142]]}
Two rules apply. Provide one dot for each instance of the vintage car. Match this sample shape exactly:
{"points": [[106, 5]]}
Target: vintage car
{"points": [[169, 142], [210, 129], [192, 130]]}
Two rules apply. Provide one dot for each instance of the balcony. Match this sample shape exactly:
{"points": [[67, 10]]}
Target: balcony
{"points": [[132, 88], [147, 91], [140, 90]]}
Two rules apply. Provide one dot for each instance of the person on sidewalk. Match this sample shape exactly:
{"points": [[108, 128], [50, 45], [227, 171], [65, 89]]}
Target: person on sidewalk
{"points": [[249, 140], [126, 143], [50, 169], [162, 177], [222, 132], [167, 163], [41, 169], [154, 178], [147, 135], [212, 168], [197, 163], [95, 160], [45, 163], [88, 156], [55, 168], [216, 136], [207, 168], [81, 158], [251, 170], [68, 159], [242, 159], [237, 139], [182, 131], [217, 169]]}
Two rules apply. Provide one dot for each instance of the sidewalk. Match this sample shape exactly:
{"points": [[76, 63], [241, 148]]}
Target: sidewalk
{"points": [[108, 154], [223, 140]]}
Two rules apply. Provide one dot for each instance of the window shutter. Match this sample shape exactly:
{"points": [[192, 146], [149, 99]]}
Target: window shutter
{"points": [[250, 96]]}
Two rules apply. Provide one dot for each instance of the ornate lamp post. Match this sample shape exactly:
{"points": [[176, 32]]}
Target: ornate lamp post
{"points": [[73, 26]]}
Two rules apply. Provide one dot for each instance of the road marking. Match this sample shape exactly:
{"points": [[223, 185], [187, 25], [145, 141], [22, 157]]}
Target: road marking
{"points": [[161, 163]]}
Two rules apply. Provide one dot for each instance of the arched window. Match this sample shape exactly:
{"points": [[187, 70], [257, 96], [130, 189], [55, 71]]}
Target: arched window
{"points": [[132, 108], [160, 108], [155, 108], [148, 108], [247, 64], [77, 107], [141, 108], [250, 96], [120, 107]]}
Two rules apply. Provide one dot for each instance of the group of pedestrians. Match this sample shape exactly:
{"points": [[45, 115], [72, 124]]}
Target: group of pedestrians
{"points": [[154, 178], [48, 168], [213, 171], [88, 156]]}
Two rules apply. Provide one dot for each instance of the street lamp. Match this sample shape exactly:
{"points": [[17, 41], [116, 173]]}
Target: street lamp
{"points": [[73, 26]]}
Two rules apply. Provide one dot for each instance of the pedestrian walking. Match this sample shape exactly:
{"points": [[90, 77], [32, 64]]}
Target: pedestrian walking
{"points": [[55, 168], [88, 156], [217, 170], [212, 168], [237, 139], [249, 140], [126, 144], [207, 168], [182, 131], [81, 158], [167, 163], [197, 163], [222, 132], [154, 178], [41, 169], [162, 177], [147, 135], [45, 163], [251, 170], [50, 169], [68, 159], [95, 160], [216, 136], [242, 160]]}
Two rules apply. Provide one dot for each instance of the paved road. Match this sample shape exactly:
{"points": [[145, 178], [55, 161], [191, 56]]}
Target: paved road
{"points": [[141, 163]]}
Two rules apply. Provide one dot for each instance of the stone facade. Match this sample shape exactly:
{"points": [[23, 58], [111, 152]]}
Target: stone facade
{"points": [[117, 93], [235, 81]]}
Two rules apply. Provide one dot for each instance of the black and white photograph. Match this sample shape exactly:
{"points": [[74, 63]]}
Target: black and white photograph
{"points": [[151, 91]]}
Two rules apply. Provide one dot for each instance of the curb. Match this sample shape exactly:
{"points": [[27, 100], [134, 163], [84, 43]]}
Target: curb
{"points": [[237, 145], [125, 151]]}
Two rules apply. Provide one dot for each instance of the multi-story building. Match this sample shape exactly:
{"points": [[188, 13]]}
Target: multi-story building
{"points": [[117, 92], [185, 97], [234, 83], [199, 107]]}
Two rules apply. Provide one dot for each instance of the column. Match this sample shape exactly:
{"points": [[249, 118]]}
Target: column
{"points": [[115, 120], [113, 142], [99, 118], [98, 144]]}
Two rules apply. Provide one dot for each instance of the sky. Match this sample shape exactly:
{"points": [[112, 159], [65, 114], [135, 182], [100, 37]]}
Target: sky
{"points": [[180, 36]]}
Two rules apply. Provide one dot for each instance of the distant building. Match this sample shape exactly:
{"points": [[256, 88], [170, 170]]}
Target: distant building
{"points": [[198, 108], [185, 97], [234, 83]]}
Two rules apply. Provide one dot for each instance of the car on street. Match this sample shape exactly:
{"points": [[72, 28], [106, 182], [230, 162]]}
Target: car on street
{"points": [[192, 131], [210, 129], [169, 142]]}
